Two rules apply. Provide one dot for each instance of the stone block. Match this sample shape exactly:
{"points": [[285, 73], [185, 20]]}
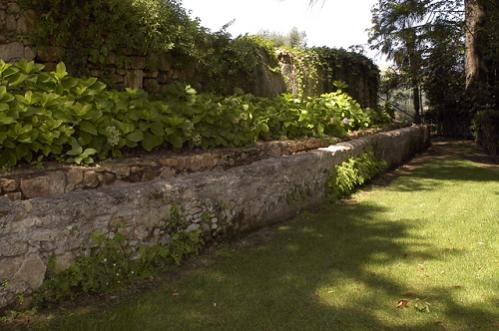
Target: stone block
{"points": [[29, 53], [151, 85], [12, 248], [151, 74], [2, 17], [21, 26], [12, 52], [50, 54], [13, 8], [14, 196], [134, 79], [74, 179], [91, 179], [10, 24], [8, 185], [45, 185], [31, 272]]}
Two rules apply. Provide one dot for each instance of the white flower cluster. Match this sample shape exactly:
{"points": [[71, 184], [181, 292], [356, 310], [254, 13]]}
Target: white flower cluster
{"points": [[113, 135], [197, 140]]}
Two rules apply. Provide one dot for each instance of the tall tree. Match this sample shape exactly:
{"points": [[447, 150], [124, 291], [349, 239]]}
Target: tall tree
{"points": [[400, 30], [482, 69], [476, 66]]}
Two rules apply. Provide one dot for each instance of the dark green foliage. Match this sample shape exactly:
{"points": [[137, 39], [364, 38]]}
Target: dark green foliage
{"points": [[231, 64], [51, 115], [445, 83], [483, 71], [320, 69], [486, 130], [412, 34], [114, 25], [108, 32], [354, 172]]}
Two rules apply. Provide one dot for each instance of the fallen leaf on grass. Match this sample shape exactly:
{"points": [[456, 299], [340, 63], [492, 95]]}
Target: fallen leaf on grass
{"points": [[422, 305], [403, 303]]}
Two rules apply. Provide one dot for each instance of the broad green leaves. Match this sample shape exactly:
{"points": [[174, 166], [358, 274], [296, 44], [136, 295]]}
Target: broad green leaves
{"points": [[56, 116]]}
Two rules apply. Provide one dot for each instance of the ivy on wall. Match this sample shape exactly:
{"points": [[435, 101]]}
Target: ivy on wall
{"points": [[320, 69]]}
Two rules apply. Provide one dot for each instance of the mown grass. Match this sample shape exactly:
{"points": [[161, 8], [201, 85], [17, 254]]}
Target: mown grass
{"points": [[429, 237]]}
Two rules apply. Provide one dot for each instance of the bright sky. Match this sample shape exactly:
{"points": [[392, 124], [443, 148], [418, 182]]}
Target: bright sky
{"points": [[336, 23]]}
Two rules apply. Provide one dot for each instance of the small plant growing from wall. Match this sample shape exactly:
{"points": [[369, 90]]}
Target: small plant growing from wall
{"points": [[352, 173], [111, 265]]}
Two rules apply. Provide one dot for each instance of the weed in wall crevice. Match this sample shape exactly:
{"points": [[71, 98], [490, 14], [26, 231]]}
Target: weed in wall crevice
{"points": [[353, 173]]}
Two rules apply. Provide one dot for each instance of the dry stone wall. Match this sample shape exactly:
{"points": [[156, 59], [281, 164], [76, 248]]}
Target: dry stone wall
{"points": [[21, 184], [220, 202], [14, 24], [156, 72]]}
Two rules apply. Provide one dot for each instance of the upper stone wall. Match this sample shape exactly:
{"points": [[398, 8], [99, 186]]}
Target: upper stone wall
{"points": [[156, 72], [14, 24]]}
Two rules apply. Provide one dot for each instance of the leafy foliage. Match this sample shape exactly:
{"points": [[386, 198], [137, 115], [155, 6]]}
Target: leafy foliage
{"points": [[106, 33], [111, 25], [486, 130], [444, 83], [110, 265], [408, 32], [354, 172], [53, 115], [231, 64], [321, 70]]}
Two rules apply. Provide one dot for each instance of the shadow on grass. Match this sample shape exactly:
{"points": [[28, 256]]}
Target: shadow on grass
{"points": [[446, 161], [332, 270], [315, 274]]}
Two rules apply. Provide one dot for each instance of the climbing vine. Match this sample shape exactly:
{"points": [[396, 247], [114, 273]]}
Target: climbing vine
{"points": [[321, 70]]}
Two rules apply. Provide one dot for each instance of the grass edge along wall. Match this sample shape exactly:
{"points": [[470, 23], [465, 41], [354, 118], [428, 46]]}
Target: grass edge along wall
{"points": [[219, 203]]}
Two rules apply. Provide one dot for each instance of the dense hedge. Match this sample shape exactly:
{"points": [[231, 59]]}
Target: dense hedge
{"points": [[111, 25], [53, 115]]}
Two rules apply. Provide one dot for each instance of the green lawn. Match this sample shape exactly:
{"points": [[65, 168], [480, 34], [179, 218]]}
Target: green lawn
{"points": [[430, 237]]}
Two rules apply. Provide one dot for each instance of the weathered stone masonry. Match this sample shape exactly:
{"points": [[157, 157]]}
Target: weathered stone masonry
{"points": [[220, 202], [154, 72]]}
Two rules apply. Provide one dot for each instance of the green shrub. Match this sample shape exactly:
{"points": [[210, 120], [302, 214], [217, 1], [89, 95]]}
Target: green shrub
{"points": [[51, 115], [354, 172], [115, 25]]}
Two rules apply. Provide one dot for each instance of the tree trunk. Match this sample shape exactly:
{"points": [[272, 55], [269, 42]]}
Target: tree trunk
{"points": [[417, 102], [476, 69], [415, 64]]}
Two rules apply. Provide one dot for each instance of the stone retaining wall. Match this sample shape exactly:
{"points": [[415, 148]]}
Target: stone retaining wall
{"points": [[21, 184], [222, 203]]}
